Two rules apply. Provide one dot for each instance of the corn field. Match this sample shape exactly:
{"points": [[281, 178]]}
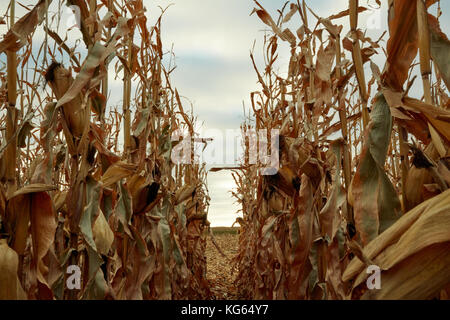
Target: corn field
{"points": [[375, 195], [77, 192], [90, 186]]}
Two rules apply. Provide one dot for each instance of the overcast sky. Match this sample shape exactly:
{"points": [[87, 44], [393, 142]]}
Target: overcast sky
{"points": [[212, 40]]}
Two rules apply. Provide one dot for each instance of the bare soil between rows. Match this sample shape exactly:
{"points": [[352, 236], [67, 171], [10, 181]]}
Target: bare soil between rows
{"points": [[220, 271]]}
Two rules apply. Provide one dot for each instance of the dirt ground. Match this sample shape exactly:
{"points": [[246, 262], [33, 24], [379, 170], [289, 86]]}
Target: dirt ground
{"points": [[219, 268]]}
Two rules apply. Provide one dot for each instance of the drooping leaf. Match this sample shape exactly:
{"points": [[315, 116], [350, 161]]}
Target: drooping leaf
{"points": [[116, 172], [292, 10], [43, 228], [124, 208], [301, 238], [439, 48], [91, 211], [10, 287], [413, 254], [96, 286], [33, 188], [402, 44], [374, 198], [102, 234], [17, 37], [329, 215]]}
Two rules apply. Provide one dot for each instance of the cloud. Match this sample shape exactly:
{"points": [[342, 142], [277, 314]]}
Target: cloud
{"points": [[223, 208]]}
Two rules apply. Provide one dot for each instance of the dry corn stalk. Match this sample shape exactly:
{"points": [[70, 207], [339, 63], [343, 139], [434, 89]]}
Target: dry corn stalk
{"points": [[76, 202], [282, 255]]}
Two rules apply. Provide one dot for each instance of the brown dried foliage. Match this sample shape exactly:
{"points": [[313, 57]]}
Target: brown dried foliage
{"points": [[377, 194], [132, 220]]}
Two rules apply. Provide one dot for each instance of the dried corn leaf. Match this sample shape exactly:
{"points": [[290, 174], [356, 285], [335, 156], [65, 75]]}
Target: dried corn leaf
{"points": [[91, 211], [10, 287], [329, 215], [33, 188], [421, 276], [102, 234], [402, 44], [95, 58], [143, 268], [96, 286], [184, 193], [292, 10], [267, 19], [392, 235], [300, 238], [374, 198], [345, 13], [407, 250], [116, 172], [60, 81], [439, 49], [17, 37], [17, 220], [43, 228]]}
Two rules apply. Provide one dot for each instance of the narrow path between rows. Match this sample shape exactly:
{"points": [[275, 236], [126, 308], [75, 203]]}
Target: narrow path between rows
{"points": [[219, 268]]}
